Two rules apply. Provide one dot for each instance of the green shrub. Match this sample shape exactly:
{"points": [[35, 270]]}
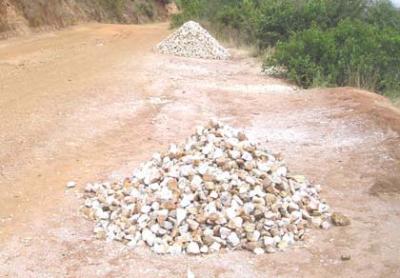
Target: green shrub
{"points": [[265, 22], [383, 14], [354, 53], [306, 56]]}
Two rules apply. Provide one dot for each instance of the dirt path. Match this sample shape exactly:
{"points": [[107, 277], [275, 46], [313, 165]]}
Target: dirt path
{"points": [[91, 102]]}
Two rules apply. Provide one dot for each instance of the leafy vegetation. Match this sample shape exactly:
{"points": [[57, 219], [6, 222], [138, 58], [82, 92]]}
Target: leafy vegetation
{"points": [[352, 53], [318, 42]]}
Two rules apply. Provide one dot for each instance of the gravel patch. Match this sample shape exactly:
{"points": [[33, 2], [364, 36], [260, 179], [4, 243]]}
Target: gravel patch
{"points": [[218, 190], [192, 40]]}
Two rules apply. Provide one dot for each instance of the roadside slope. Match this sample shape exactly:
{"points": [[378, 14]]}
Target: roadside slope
{"points": [[23, 16]]}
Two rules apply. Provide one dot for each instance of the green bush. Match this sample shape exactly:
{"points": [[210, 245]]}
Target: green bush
{"points": [[354, 53], [281, 18], [306, 56], [265, 22], [383, 14]]}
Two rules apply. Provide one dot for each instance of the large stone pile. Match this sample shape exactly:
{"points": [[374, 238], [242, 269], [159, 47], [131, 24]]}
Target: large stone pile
{"points": [[218, 190], [191, 40]]}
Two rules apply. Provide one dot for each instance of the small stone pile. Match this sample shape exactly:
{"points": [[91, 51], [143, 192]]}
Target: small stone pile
{"points": [[218, 190], [192, 40]]}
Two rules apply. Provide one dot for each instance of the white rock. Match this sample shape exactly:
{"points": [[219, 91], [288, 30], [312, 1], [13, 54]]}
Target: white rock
{"points": [[154, 186], [218, 153], [71, 184], [296, 214], [234, 154], [148, 237], [167, 225], [180, 215], [146, 209], [313, 205], [186, 200], [165, 193], [193, 248], [244, 188], [211, 138], [210, 208], [175, 249], [268, 241], [160, 248], [277, 239], [203, 168], [208, 149], [232, 141], [259, 251], [231, 213], [323, 208], [248, 208], [224, 232], [142, 220], [155, 206], [183, 229], [214, 195], [250, 180], [151, 175], [238, 222], [197, 181], [155, 228], [204, 249], [186, 170], [233, 239], [215, 247], [264, 167], [281, 171], [103, 214], [254, 236], [247, 156]]}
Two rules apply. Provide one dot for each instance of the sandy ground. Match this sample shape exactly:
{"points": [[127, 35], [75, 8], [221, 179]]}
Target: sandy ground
{"points": [[92, 102]]}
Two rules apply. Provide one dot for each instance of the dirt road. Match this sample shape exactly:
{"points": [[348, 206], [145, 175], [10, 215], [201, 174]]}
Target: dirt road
{"points": [[91, 102]]}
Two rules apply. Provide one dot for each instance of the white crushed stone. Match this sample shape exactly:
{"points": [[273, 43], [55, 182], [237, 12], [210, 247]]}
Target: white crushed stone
{"points": [[192, 40], [71, 184], [218, 190]]}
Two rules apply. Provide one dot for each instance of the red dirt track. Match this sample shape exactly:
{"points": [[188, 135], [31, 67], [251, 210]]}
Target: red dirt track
{"points": [[92, 102]]}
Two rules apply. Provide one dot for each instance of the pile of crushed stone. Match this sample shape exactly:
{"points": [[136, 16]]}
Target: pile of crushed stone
{"points": [[217, 190], [192, 40]]}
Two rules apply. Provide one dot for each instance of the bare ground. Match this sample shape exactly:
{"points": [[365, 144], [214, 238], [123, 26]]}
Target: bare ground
{"points": [[91, 102]]}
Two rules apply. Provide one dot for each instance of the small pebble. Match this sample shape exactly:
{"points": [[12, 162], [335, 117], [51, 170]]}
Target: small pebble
{"points": [[71, 184]]}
